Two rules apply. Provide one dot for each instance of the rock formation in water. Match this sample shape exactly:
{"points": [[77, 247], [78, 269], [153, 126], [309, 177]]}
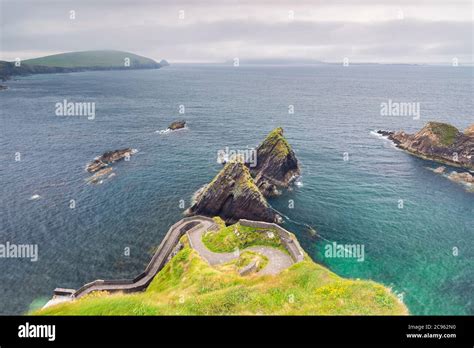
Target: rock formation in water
{"points": [[177, 125], [108, 158], [277, 166], [438, 142], [98, 176], [233, 195], [461, 178], [464, 178]]}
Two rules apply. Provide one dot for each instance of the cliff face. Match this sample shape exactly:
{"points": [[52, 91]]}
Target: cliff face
{"points": [[233, 195], [439, 142], [277, 165]]}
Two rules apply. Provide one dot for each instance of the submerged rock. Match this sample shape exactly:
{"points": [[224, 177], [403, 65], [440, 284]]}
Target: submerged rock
{"points": [[233, 195], [94, 179], [464, 177], [177, 125], [439, 142], [440, 170], [277, 166], [107, 158]]}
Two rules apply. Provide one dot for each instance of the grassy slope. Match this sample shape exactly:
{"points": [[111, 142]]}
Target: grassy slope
{"points": [[188, 285], [89, 59], [225, 240], [276, 143], [445, 132]]}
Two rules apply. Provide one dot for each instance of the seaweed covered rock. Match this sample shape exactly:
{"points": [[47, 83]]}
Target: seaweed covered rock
{"points": [[233, 195], [277, 166]]}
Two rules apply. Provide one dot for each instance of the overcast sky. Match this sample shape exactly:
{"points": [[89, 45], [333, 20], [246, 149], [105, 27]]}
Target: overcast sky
{"points": [[406, 31]]}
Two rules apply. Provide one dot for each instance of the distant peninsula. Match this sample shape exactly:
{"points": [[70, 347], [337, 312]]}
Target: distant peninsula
{"points": [[78, 61]]}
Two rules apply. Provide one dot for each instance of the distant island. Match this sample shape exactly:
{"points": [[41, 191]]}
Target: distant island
{"points": [[79, 61]]}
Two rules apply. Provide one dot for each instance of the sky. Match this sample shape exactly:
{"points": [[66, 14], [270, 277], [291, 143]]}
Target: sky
{"points": [[378, 31]]}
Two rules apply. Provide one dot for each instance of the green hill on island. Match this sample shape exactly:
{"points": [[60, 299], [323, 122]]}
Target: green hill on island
{"points": [[79, 61], [88, 59], [188, 285]]}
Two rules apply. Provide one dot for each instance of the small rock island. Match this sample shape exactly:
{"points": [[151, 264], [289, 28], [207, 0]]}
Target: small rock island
{"points": [[177, 125], [107, 158], [440, 142]]}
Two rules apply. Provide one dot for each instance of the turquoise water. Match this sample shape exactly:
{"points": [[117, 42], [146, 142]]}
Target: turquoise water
{"points": [[350, 202]]}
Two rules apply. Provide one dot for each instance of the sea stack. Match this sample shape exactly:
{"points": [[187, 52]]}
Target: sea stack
{"points": [[233, 195], [440, 142], [277, 166]]}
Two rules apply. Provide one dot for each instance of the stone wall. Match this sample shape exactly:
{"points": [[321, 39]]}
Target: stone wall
{"points": [[157, 262]]}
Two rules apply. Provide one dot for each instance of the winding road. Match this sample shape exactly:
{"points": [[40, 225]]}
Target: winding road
{"points": [[277, 259], [194, 227]]}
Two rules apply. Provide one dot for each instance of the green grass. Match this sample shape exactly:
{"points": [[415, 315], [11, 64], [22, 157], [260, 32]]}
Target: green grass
{"points": [[88, 59], [445, 132], [226, 240], [245, 258], [188, 285], [276, 143]]}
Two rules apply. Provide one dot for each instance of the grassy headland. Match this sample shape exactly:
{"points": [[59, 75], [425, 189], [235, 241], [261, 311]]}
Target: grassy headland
{"points": [[188, 285], [88, 59]]}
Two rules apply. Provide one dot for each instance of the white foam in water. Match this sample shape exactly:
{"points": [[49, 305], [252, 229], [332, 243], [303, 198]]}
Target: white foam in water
{"points": [[380, 136], [167, 130]]}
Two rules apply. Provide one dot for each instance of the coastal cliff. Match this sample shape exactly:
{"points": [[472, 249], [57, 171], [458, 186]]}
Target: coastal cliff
{"points": [[440, 142], [277, 166], [233, 195]]}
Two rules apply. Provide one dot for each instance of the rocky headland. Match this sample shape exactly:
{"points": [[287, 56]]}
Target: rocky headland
{"points": [[239, 191], [440, 142]]}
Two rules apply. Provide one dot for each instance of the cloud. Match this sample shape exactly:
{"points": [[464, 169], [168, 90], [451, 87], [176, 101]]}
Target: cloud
{"points": [[400, 31]]}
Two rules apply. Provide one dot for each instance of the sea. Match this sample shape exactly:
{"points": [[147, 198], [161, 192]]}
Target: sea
{"points": [[416, 227]]}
